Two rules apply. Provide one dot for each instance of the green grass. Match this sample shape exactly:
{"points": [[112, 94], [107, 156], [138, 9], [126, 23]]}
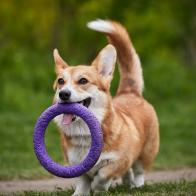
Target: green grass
{"points": [[166, 49], [170, 88], [17, 158], [182, 188], [177, 135]]}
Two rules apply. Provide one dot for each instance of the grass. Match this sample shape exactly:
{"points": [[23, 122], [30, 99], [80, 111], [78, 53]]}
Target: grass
{"points": [[171, 92], [17, 158], [182, 188], [176, 135]]}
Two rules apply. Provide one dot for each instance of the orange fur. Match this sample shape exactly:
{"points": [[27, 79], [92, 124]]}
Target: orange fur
{"points": [[130, 125]]}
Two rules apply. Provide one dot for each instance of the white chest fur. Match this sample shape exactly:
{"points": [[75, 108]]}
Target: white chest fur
{"points": [[76, 154], [81, 141], [80, 136]]}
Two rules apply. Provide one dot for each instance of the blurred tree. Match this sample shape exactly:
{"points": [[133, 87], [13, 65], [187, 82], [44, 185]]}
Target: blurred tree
{"points": [[162, 31], [43, 25]]}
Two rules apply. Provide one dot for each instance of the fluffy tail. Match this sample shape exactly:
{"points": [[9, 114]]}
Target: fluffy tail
{"points": [[131, 77]]}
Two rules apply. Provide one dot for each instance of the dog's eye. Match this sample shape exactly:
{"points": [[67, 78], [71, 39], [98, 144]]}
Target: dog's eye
{"points": [[61, 81], [82, 81]]}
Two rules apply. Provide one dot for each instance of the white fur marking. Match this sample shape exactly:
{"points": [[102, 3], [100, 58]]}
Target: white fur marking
{"points": [[101, 25], [138, 174], [139, 180], [75, 95], [83, 186], [77, 154], [99, 184], [128, 178]]}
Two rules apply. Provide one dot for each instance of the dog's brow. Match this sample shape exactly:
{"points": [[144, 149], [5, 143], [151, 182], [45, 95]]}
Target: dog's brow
{"points": [[81, 76], [65, 75], [60, 76]]}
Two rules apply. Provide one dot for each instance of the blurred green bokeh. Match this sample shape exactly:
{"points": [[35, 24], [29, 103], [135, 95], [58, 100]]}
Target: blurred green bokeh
{"points": [[164, 35]]}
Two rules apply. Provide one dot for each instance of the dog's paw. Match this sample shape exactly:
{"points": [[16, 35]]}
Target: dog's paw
{"points": [[139, 180], [97, 183], [100, 184]]}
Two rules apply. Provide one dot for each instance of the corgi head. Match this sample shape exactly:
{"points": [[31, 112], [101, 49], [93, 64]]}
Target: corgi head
{"points": [[87, 85]]}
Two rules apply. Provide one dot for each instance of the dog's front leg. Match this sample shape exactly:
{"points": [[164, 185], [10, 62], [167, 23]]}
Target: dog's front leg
{"points": [[83, 186], [100, 183], [106, 174]]}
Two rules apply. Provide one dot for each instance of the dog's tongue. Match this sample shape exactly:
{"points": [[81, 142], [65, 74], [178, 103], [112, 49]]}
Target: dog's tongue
{"points": [[67, 119]]}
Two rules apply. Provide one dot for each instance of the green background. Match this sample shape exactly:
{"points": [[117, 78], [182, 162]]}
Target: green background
{"points": [[164, 35]]}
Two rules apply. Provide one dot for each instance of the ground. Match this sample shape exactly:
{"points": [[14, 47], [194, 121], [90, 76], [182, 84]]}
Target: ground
{"points": [[183, 180], [182, 188]]}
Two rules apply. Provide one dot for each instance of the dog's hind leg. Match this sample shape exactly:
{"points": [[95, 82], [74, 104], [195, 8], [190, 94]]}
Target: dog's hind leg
{"points": [[128, 178], [138, 172], [134, 177], [100, 184], [106, 174]]}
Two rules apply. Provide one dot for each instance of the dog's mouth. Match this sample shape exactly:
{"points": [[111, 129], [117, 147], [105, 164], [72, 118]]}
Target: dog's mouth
{"points": [[86, 102], [69, 118]]}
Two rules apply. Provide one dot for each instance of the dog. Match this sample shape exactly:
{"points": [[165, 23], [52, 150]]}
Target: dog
{"points": [[129, 123]]}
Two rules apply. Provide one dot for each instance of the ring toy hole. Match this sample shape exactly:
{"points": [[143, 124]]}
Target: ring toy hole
{"points": [[96, 140]]}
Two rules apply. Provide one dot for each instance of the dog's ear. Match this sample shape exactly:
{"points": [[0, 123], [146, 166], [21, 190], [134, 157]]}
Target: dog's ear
{"points": [[105, 61], [60, 64]]}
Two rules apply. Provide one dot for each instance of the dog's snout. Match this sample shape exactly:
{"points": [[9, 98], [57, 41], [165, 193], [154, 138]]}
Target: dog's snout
{"points": [[65, 95]]}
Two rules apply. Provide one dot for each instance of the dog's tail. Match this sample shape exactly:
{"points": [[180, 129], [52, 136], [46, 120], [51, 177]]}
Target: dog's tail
{"points": [[131, 77]]}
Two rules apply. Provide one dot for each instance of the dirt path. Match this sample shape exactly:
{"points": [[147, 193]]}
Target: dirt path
{"points": [[55, 183]]}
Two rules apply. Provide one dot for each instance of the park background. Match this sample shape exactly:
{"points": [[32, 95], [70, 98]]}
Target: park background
{"points": [[164, 35]]}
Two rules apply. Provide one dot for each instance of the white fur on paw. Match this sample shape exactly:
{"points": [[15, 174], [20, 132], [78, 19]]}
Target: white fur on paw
{"points": [[139, 180], [95, 183], [100, 184], [82, 186]]}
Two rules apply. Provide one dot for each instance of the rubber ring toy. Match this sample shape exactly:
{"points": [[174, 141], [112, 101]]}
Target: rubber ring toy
{"points": [[96, 140]]}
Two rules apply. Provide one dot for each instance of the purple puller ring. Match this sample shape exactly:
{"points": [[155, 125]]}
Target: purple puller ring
{"points": [[96, 140]]}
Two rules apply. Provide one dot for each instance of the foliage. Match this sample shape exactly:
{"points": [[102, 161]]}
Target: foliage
{"points": [[31, 30]]}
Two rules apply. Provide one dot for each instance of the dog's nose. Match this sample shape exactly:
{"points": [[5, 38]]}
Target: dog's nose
{"points": [[65, 95]]}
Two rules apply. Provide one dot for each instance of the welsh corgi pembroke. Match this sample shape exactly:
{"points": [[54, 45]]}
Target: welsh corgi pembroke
{"points": [[129, 123]]}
